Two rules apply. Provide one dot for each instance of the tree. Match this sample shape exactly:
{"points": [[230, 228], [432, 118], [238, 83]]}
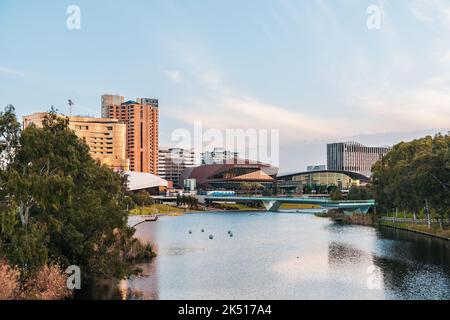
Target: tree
{"points": [[192, 202], [360, 193], [337, 195], [142, 198], [58, 204], [245, 186], [9, 135], [414, 173]]}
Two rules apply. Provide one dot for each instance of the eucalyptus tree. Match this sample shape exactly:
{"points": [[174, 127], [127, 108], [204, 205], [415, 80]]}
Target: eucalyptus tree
{"points": [[59, 204], [415, 173]]}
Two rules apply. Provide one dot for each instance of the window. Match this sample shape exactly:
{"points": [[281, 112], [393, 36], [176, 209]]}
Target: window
{"points": [[142, 136]]}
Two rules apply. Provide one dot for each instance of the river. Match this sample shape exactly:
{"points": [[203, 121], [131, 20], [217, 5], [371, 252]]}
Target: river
{"points": [[284, 256]]}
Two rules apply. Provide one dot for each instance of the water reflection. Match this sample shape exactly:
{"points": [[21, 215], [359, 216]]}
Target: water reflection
{"points": [[341, 254], [284, 256]]}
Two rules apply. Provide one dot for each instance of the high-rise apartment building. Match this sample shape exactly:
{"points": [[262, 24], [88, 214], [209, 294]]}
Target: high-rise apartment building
{"points": [[353, 156], [172, 162], [218, 156], [104, 137], [110, 100], [142, 120]]}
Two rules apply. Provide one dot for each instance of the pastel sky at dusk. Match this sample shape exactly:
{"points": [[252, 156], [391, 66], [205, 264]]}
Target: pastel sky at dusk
{"points": [[309, 68]]}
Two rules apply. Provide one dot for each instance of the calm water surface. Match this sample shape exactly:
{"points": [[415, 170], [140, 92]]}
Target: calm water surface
{"points": [[285, 256]]}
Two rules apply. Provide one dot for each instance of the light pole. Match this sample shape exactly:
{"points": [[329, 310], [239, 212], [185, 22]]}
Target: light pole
{"points": [[70, 103]]}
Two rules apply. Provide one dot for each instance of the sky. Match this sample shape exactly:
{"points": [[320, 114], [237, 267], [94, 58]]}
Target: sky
{"points": [[311, 69]]}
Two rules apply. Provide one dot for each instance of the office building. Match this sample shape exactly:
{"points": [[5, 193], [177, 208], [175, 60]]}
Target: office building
{"points": [[219, 156], [353, 156], [172, 162], [104, 137], [142, 120]]}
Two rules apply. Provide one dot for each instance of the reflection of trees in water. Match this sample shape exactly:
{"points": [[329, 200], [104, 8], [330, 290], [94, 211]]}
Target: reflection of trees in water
{"points": [[339, 254], [99, 289], [414, 266], [142, 287], [416, 281], [393, 273], [416, 247]]}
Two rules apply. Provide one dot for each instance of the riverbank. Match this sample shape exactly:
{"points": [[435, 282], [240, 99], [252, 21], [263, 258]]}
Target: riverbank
{"points": [[167, 210], [435, 231], [371, 221], [355, 219]]}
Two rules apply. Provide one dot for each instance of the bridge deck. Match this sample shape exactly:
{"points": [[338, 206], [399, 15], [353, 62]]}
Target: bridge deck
{"points": [[325, 203]]}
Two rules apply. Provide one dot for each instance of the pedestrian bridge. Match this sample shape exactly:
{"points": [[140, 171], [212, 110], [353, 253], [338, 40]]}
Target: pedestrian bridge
{"points": [[274, 203]]}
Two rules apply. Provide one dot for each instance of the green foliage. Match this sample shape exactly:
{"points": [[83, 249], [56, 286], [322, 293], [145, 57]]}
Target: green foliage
{"points": [[142, 198], [58, 204], [250, 187], [360, 193], [190, 201], [414, 173], [9, 135], [337, 195]]}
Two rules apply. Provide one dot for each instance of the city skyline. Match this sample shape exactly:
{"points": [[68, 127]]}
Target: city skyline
{"points": [[338, 81]]}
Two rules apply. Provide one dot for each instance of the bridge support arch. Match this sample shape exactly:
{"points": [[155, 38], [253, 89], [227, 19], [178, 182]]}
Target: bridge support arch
{"points": [[272, 206]]}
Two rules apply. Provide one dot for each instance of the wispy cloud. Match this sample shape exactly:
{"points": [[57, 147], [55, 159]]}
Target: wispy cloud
{"points": [[435, 13], [221, 106], [173, 75], [14, 72]]}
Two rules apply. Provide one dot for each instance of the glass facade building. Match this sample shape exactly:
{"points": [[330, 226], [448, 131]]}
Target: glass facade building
{"points": [[353, 156], [343, 180]]}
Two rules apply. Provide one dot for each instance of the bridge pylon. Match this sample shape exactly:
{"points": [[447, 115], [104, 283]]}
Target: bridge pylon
{"points": [[272, 206]]}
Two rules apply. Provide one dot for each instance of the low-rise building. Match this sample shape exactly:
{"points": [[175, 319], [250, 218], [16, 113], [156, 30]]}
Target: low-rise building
{"points": [[297, 183], [141, 181], [232, 176]]}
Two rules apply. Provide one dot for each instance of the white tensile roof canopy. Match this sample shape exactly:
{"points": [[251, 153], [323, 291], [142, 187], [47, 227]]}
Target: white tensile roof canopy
{"points": [[141, 181]]}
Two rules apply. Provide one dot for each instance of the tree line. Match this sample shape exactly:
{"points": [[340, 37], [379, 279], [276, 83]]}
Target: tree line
{"points": [[415, 176], [58, 206]]}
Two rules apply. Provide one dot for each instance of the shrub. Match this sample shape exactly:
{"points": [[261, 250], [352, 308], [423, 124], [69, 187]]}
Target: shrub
{"points": [[9, 281], [48, 283]]}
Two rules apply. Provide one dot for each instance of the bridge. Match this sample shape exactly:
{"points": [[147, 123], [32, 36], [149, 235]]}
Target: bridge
{"points": [[273, 204]]}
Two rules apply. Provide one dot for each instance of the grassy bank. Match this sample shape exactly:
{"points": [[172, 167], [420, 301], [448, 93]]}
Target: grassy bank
{"points": [[158, 209], [176, 211], [234, 207], [370, 220], [434, 231], [290, 206]]}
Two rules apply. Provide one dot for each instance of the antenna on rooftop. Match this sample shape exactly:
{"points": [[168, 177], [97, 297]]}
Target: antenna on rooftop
{"points": [[70, 103]]}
